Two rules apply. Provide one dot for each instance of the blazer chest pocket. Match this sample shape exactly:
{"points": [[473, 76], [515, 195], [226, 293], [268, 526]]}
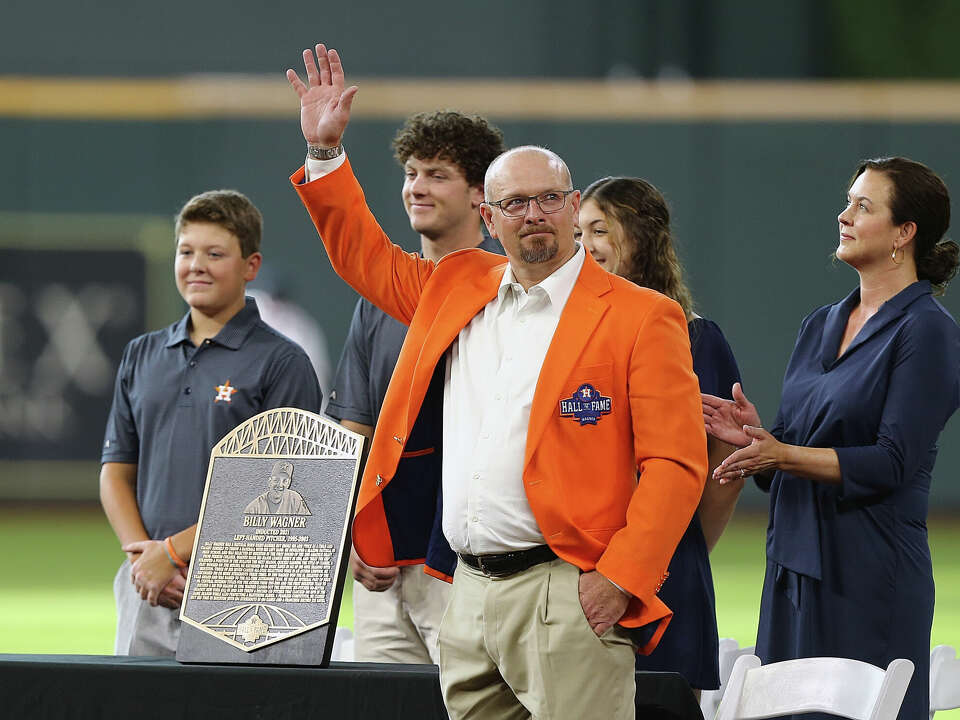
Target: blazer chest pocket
{"points": [[600, 376], [587, 394]]}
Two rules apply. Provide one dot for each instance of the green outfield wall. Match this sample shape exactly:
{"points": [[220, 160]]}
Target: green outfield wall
{"points": [[754, 203], [113, 114]]}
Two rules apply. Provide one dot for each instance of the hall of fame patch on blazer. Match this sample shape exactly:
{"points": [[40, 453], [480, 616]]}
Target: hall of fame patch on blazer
{"points": [[587, 405]]}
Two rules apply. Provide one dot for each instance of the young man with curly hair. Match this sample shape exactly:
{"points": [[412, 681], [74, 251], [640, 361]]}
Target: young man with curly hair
{"points": [[444, 156]]}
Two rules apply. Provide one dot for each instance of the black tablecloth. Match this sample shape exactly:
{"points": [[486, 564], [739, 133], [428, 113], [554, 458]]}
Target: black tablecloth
{"points": [[43, 687]]}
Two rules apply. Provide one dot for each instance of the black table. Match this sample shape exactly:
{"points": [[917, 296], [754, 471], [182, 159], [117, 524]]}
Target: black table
{"points": [[44, 687]]}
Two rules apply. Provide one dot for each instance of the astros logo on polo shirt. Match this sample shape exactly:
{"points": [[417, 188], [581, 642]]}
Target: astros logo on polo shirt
{"points": [[224, 392], [587, 405]]}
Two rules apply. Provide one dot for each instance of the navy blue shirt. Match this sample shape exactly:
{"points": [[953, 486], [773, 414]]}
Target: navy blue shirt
{"points": [[369, 356], [881, 406], [173, 401], [713, 361], [849, 572]]}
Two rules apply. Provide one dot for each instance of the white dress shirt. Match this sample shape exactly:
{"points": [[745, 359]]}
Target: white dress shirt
{"points": [[492, 370], [491, 375]]}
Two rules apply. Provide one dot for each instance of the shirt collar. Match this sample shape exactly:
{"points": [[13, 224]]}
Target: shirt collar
{"points": [[557, 286], [180, 331], [905, 297], [230, 336], [900, 301]]}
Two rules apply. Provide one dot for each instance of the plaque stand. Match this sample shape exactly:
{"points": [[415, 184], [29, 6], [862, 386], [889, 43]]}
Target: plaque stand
{"points": [[273, 541]]}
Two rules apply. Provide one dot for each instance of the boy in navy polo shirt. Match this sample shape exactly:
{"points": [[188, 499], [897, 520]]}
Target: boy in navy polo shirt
{"points": [[178, 391]]}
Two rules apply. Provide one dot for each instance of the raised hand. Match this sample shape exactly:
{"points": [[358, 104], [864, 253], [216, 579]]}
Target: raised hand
{"points": [[724, 419], [324, 104]]}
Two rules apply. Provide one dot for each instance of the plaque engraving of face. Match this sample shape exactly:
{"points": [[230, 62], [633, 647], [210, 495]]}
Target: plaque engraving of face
{"points": [[279, 499]]}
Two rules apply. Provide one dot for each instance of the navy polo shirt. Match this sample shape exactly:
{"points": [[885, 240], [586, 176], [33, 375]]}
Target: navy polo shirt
{"points": [[173, 401], [369, 356]]}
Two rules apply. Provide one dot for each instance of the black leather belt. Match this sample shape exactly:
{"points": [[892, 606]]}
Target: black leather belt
{"points": [[504, 564]]}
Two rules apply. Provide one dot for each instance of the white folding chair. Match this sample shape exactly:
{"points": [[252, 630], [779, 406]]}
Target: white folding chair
{"points": [[342, 645], [838, 686], [944, 679], [730, 650]]}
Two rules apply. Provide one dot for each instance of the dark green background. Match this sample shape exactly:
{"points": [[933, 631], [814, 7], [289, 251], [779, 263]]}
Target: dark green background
{"points": [[496, 38], [754, 203]]}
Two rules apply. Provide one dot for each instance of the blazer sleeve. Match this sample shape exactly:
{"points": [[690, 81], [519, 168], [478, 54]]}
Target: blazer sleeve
{"points": [[670, 446], [924, 391], [359, 250]]}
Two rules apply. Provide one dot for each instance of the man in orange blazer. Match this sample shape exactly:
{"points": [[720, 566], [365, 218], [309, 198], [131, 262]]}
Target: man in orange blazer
{"points": [[564, 406]]}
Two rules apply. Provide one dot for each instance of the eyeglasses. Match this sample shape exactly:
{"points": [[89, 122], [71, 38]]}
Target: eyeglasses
{"points": [[549, 202]]}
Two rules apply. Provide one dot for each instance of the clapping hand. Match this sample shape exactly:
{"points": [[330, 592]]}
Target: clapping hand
{"points": [[763, 453], [725, 419], [737, 422], [324, 104]]}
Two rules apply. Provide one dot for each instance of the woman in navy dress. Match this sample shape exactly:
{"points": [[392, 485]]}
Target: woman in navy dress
{"points": [[625, 225], [871, 383]]}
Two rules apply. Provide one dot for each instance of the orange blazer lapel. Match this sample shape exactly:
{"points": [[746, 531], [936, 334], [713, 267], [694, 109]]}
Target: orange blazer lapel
{"points": [[581, 315]]}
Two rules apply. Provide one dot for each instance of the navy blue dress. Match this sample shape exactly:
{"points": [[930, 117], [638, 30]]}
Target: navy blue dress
{"points": [[848, 566], [690, 645]]}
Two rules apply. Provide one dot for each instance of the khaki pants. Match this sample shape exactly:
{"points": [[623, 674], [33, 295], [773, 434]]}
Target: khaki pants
{"points": [[521, 647], [400, 624], [141, 628]]}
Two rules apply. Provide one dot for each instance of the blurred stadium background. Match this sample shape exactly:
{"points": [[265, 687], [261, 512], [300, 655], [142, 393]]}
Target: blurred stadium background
{"points": [[750, 115]]}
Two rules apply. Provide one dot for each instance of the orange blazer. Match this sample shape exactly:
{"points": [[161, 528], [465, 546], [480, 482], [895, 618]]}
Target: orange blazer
{"points": [[616, 494]]}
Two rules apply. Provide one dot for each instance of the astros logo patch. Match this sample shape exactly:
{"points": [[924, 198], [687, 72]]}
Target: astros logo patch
{"points": [[224, 392], [587, 405]]}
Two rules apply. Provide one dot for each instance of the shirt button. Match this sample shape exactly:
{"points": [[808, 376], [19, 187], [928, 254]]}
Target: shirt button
{"points": [[193, 363], [476, 476], [475, 519], [186, 391]]}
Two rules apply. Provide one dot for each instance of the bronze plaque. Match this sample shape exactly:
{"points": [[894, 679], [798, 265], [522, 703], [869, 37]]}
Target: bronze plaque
{"points": [[270, 556]]}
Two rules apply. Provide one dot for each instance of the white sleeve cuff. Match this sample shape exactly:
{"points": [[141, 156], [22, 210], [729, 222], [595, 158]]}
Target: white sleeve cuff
{"points": [[316, 169]]}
